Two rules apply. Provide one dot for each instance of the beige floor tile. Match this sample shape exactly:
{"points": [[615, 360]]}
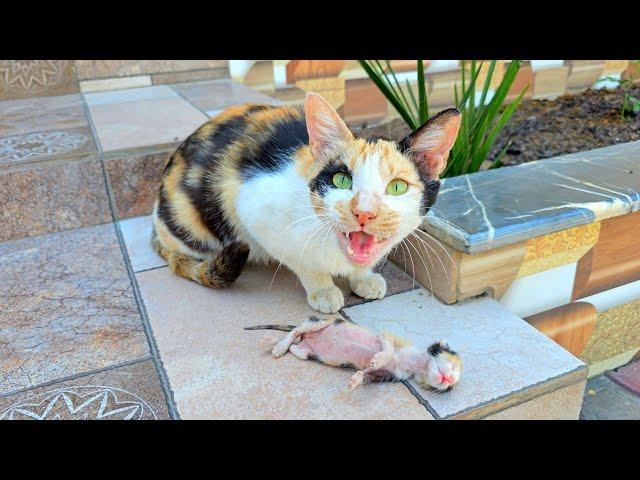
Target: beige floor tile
{"points": [[216, 369], [141, 117], [501, 353], [137, 238]]}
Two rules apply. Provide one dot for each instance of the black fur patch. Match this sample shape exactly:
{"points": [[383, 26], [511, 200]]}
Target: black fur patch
{"points": [[313, 318], [313, 357], [378, 376], [227, 266], [348, 366], [164, 212], [338, 321], [436, 349], [429, 195], [324, 180], [275, 153], [206, 152]]}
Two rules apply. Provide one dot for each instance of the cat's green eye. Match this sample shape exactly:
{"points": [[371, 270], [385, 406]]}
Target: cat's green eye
{"points": [[397, 187], [342, 180]]}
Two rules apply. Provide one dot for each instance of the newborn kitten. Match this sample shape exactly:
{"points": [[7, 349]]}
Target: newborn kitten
{"points": [[377, 358], [262, 184]]}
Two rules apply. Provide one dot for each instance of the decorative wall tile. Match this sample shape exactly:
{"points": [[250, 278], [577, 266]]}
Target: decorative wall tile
{"points": [[558, 248], [30, 147], [50, 197], [617, 331], [34, 78]]}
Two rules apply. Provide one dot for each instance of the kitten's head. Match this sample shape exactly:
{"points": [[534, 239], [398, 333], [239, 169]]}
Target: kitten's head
{"points": [[374, 193], [442, 370]]}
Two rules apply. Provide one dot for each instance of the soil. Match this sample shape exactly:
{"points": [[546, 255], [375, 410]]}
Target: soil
{"points": [[547, 128]]}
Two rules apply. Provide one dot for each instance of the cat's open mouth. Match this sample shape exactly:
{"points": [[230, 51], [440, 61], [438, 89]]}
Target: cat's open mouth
{"points": [[361, 247]]}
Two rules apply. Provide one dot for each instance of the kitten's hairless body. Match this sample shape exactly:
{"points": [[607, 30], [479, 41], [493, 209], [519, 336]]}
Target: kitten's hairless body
{"points": [[377, 358]]}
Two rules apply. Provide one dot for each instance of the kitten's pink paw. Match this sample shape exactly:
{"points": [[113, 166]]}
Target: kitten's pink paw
{"points": [[280, 349], [380, 359], [356, 379]]}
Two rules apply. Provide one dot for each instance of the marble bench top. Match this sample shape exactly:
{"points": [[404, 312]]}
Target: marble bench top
{"points": [[499, 207]]}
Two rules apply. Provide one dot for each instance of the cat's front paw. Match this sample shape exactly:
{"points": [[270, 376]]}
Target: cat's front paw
{"points": [[369, 287], [327, 300]]}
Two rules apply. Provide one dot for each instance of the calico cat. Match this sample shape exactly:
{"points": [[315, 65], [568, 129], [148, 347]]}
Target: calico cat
{"points": [[263, 183]]}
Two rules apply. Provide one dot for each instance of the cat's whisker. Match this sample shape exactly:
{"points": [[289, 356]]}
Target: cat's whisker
{"points": [[284, 250], [438, 242], [426, 269]]}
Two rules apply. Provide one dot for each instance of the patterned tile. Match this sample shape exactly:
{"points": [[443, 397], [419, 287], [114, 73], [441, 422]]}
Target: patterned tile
{"points": [[216, 95], [142, 117], [66, 307], [43, 129], [217, 370], [134, 180], [34, 78], [50, 197], [31, 147], [131, 392]]}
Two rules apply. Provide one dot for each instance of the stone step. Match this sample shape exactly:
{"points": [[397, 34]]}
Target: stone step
{"points": [[510, 369]]}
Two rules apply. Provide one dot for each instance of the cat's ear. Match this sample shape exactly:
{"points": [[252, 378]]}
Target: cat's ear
{"points": [[325, 127], [430, 144]]}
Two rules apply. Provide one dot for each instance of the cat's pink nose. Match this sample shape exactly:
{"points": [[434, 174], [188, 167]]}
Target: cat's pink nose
{"points": [[442, 377], [363, 217]]}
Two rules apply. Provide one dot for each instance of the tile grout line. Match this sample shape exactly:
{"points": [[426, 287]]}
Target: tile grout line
{"points": [[190, 102], [76, 376], [155, 353]]}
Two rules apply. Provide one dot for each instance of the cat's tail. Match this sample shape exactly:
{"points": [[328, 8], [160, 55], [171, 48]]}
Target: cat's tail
{"points": [[220, 272], [273, 326]]}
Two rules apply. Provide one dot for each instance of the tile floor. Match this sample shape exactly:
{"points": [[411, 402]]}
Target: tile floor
{"points": [[94, 325]]}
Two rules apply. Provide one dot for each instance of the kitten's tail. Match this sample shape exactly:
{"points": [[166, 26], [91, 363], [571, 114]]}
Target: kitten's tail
{"points": [[276, 326]]}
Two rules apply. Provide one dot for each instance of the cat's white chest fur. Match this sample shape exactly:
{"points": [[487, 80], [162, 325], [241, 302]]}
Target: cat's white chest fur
{"points": [[276, 212]]}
